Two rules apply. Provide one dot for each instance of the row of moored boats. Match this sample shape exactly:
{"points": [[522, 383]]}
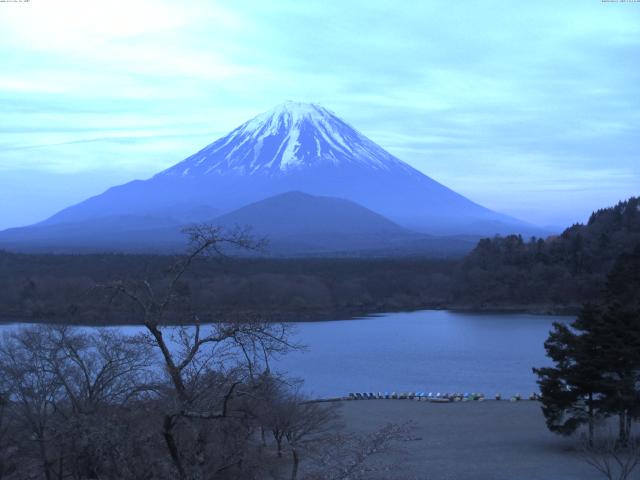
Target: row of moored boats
{"points": [[434, 397]]}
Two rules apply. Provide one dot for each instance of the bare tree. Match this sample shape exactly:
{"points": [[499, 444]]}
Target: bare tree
{"points": [[613, 460], [307, 422], [292, 418], [65, 390], [101, 372], [34, 392], [340, 456], [99, 368], [184, 399], [5, 449], [208, 367]]}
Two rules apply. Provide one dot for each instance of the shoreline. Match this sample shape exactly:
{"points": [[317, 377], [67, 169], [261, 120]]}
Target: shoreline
{"points": [[321, 316], [435, 400]]}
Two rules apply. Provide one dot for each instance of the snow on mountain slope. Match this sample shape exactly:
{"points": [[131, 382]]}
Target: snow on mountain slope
{"points": [[291, 136], [295, 147]]}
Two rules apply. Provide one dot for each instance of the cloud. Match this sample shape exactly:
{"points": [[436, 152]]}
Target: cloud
{"points": [[543, 91]]}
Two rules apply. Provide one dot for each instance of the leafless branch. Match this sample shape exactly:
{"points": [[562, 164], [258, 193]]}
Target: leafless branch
{"points": [[613, 461]]}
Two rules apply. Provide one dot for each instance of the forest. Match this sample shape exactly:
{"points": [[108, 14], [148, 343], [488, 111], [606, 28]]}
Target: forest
{"points": [[564, 270], [556, 274]]}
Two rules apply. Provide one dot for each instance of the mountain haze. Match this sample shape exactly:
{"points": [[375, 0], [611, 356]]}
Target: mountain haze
{"points": [[294, 223], [295, 147]]}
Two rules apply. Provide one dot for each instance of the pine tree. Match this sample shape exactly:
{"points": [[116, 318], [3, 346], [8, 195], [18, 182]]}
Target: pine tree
{"points": [[570, 391], [596, 359], [621, 355]]}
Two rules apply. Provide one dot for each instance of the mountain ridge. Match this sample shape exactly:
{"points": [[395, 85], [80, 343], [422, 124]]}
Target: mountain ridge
{"points": [[293, 147], [298, 212], [293, 223]]}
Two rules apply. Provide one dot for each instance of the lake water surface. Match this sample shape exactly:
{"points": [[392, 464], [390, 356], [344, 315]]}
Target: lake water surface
{"points": [[432, 350]]}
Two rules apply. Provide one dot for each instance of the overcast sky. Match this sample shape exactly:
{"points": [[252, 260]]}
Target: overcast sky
{"points": [[529, 108]]}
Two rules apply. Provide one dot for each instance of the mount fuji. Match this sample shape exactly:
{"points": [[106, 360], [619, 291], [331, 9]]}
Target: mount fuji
{"points": [[297, 147]]}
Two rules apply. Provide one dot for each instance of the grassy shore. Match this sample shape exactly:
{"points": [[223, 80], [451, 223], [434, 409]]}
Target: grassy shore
{"points": [[490, 440]]}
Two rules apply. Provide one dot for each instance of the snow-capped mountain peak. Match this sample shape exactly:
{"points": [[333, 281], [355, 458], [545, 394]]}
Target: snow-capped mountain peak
{"points": [[289, 137], [295, 147], [290, 112]]}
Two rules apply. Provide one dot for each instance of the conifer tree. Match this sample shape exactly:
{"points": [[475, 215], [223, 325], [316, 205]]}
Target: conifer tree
{"points": [[570, 390], [596, 358]]}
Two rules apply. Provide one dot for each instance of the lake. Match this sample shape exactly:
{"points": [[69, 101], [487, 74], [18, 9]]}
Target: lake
{"points": [[431, 350]]}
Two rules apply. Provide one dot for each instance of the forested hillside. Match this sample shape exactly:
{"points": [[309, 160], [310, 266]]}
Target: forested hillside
{"points": [[62, 287], [565, 270], [544, 275]]}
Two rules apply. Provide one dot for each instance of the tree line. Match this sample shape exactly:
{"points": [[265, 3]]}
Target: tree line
{"points": [[565, 270], [62, 287], [558, 273]]}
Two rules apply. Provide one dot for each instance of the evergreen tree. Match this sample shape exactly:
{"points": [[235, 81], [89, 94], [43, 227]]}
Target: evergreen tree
{"points": [[570, 391], [619, 354], [596, 359], [562, 270]]}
